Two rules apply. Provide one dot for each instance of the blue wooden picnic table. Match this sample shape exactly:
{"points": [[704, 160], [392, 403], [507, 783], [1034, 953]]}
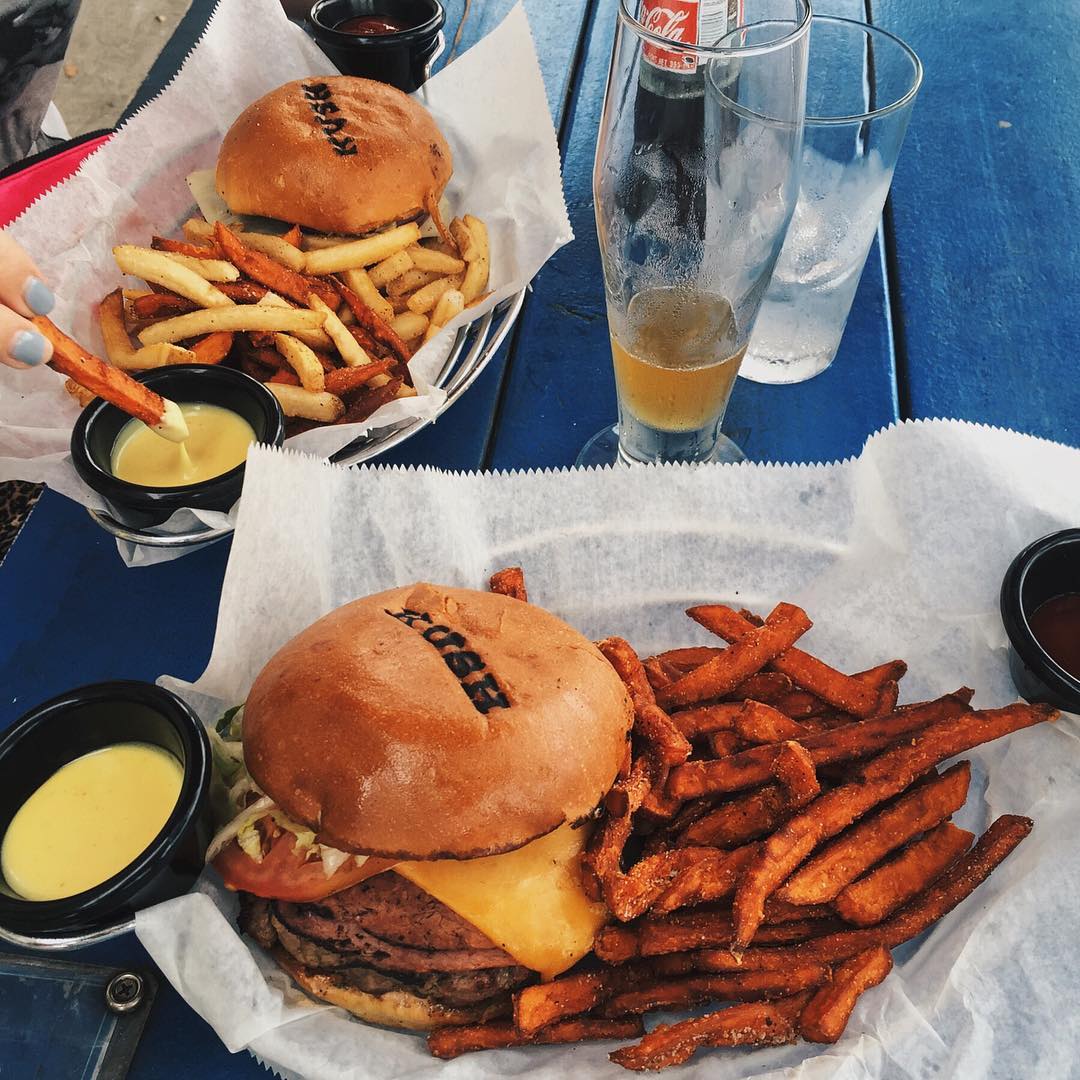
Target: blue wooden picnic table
{"points": [[965, 310]]}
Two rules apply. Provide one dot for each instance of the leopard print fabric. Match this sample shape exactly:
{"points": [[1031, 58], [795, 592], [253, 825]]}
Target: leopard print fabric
{"points": [[17, 499]]}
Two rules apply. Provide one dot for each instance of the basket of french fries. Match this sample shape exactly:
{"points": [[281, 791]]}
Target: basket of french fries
{"points": [[361, 253]]}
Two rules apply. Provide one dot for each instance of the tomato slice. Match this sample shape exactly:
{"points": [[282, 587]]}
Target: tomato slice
{"points": [[284, 874]]}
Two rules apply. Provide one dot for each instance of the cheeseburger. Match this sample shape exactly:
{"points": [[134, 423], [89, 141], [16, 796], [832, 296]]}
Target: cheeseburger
{"points": [[335, 154], [412, 795]]}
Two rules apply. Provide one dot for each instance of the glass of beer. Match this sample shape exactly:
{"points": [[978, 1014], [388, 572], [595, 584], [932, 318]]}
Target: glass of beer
{"points": [[695, 182]]}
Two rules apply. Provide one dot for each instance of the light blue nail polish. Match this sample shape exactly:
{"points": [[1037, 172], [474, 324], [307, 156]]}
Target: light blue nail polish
{"points": [[39, 297], [28, 347]]}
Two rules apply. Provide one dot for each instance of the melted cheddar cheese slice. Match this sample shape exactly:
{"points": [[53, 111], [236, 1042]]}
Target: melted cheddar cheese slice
{"points": [[528, 902]]}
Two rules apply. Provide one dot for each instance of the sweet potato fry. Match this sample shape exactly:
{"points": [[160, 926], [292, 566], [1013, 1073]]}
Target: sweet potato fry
{"points": [[269, 272], [712, 878], [156, 305], [888, 696], [285, 378], [510, 582], [378, 328], [346, 380], [698, 929], [633, 893], [890, 671], [660, 673], [545, 1004], [826, 1014], [293, 236], [754, 766], [821, 878], [804, 670], [453, 1041], [213, 348], [768, 687], [243, 292], [184, 247], [759, 724], [695, 989], [800, 704], [616, 944], [707, 718], [112, 384], [737, 663], [885, 776], [795, 773], [743, 818], [725, 743], [893, 883], [752, 1024], [688, 659], [369, 399]]}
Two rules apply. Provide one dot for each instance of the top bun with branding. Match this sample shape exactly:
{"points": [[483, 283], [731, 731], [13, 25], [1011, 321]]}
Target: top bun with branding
{"points": [[429, 722], [336, 154]]}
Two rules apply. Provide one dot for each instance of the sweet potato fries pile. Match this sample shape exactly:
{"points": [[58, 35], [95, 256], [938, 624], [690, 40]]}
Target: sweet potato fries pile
{"points": [[777, 829]]}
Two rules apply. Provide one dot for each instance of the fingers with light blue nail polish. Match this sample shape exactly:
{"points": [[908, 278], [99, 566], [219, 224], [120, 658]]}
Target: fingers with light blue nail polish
{"points": [[38, 296], [23, 293], [29, 348]]}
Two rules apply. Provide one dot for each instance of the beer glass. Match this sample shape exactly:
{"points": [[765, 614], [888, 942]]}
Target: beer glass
{"points": [[694, 183]]}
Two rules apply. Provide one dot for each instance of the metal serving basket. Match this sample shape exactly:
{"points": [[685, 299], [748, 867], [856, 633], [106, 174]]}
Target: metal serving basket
{"points": [[473, 348]]}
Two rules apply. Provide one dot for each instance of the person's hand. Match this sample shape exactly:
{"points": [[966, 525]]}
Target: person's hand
{"points": [[22, 294]]}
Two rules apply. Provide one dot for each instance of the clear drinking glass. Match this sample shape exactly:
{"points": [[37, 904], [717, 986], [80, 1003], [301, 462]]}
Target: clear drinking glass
{"points": [[860, 89], [694, 183]]}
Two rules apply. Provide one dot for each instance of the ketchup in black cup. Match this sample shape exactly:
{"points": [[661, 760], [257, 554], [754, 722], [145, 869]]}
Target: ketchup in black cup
{"points": [[1040, 607], [391, 41]]}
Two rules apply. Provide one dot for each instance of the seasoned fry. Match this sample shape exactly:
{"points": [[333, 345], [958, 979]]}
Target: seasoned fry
{"points": [[370, 399], [428, 259], [453, 1041], [466, 243], [712, 878], [233, 318], [365, 252], [885, 776], [159, 305], [822, 877], [426, 297], [741, 819], [199, 231], [313, 339], [795, 773], [296, 401], [360, 282], [826, 1014], [79, 393], [737, 663], [706, 719], [210, 269], [277, 248], [542, 1005], [118, 348], [293, 236], [203, 250], [161, 355], [702, 929], [406, 282], [161, 269], [479, 264], [893, 883], [408, 325], [758, 723], [346, 345], [267, 271], [601, 861], [510, 582], [632, 894], [451, 304], [752, 1024], [285, 378], [110, 383], [303, 361], [378, 328], [211, 349], [805, 670], [754, 766], [346, 380], [739, 986], [243, 292]]}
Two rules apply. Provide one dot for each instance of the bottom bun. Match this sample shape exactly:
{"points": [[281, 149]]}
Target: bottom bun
{"points": [[395, 1008]]}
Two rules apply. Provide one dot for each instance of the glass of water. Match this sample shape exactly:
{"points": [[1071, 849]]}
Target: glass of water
{"points": [[695, 181], [860, 88]]}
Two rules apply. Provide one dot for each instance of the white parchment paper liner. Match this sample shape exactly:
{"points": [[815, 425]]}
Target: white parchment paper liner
{"points": [[897, 553], [490, 104]]}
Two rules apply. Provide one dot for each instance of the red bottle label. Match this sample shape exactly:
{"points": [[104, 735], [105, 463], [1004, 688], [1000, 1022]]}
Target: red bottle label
{"points": [[689, 22]]}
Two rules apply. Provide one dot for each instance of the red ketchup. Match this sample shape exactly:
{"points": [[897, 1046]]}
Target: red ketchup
{"points": [[1056, 626], [370, 26]]}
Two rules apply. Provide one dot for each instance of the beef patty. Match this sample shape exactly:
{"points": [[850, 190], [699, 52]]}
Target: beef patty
{"points": [[388, 934]]}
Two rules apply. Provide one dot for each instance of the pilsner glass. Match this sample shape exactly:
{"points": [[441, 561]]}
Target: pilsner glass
{"points": [[695, 182]]}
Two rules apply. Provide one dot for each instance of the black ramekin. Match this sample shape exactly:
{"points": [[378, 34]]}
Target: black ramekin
{"points": [[140, 507], [79, 722], [400, 59], [1045, 569]]}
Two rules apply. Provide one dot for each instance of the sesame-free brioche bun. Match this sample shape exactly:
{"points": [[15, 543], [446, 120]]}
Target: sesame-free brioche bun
{"points": [[335, 154], [429, 722]]}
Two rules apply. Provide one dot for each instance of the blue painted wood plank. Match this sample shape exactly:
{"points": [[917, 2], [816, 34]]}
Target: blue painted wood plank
{"points": [[986, 199], [560, 388]]}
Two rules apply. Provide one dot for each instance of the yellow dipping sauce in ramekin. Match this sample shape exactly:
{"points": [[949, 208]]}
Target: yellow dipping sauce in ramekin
{"points": [[93, 817], [218, 441]]}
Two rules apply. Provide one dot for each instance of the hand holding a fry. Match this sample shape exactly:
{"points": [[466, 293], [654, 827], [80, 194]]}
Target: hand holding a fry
{"points": [[22, 295]]}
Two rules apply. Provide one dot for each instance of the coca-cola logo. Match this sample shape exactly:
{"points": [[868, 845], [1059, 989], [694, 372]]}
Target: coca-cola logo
{"points": [[667, 22]]}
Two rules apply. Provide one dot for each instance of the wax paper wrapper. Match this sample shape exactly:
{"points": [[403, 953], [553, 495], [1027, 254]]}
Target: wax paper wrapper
{"points": [[506, 171], [899, 553]]}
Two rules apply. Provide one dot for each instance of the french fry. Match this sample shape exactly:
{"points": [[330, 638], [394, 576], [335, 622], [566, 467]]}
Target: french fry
{"points": [[827, 1013], [463, 237], [887, 775], [161, 269], [345, 380], [313, 338], [293, 236], [795, 773], [822, 877], [161, 355], [234, 318], [346, 345], [758, 724], [277, 248], [370, 399], [450, 304], [754, 766], [697, 929], [705, 719], [313, 242], [378, 328], [199, 231], [408, 325], [760, 1023], [744, 818], [79, 393], [540, 1006], [303, 361], [633, 893], [296, 401], [365, 252], [285, 378], [160, 305], [112, 384], [405, 284], [453, 1041], [209, 269], [768, 687], [243, 292], [360, 282], [426, 297], [713, 878], [509, 582], [428, 259], [479, 266], [211, 349], [202, 250], [739, 661], [118, 348], [893, 883]]}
